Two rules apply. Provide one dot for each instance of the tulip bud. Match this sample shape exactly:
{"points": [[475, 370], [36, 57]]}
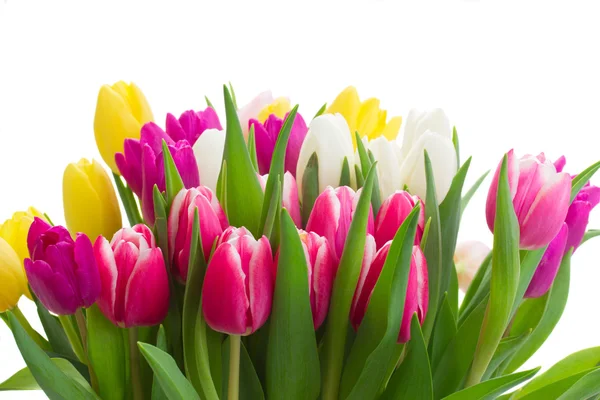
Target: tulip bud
{"points": [[121, 111], [468, 257], [332, 214], [181, 224], [15, 231], [290, 199], [208, 151], [392, 214], [266, 137], [417, 290], [191, 124], [135, 285], [385, 153], [62, 272], [548, 267], [13, 282], [89, 200], [540, 198], [329, 137], [237, 293], [261, 107]]}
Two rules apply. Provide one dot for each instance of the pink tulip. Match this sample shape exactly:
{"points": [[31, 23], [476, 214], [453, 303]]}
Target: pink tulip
{"points": [[392, 214], [540, 198], [135, 285], [290, 200], [332, 214], [181, 223], [237, 293], [417, 291], [548, 267]]}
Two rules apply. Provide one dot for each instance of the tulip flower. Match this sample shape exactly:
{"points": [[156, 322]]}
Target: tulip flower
{"points": [[181, 224], [237, 293], [332, 214], [266, 136], [121, 111], [417, 291], [385, 153], [261, 107], [365, 117], [89, 200], [392, 214], [191, 124], [548, 267], [540, 197], [62, 272], [329, 137], [15, 231], [208, 151], [468, 257], [290, 199], [13, 282], [428, 131], [135, 285]]}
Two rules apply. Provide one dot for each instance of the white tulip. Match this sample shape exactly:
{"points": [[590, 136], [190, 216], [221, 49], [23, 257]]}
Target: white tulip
{"points": [[418, 122], [386, 154], [208, 151], [329, 136]]}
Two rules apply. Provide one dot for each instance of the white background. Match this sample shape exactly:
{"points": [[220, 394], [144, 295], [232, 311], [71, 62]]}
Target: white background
{"points": [[508, 75]]}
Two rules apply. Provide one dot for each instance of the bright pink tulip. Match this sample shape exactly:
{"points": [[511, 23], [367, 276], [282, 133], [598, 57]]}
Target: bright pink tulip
{"points": [[548, 267], [181, 223], [237, 293], [290, 201], [417, 291], [392, 214], [332, 214], [135, 285], [540, 198]]}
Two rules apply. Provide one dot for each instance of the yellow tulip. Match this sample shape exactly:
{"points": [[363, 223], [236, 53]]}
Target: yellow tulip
{"points": [[121, 111], [13, 282], [89, 200], [365, 117], [280, 106], [14, 231]]}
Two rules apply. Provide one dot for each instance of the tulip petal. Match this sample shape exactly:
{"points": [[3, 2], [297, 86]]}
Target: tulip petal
{"points": [[37, 228], [513, 183], [347, 103], [324, 269], [44, 283], [372, 265], [392, 128], [265, 145], [107, 267], [324, 218], [86, 274], [290, 199], [297, 135], [260, 283], [548, 267], [126, 256], [208, 151]]}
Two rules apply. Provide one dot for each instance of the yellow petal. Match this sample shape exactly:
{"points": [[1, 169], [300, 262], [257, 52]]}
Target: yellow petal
{"points": [[368, 117], [391, 130], [13, 281], [280, 106], [15, 230], [346, 103]]}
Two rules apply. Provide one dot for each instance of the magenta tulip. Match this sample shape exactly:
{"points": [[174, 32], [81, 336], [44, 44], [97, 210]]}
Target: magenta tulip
{"points": [[332, 214], [540, 197], [191, 124], [266, 136], [548, 267], [237, 293], [290, 200], [417, 291], [181, 223], [392, 214], [135, 285], [62, 272]]}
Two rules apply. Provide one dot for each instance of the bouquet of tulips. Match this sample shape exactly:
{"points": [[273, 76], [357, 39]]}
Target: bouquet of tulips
{"points": [[278, 260]]}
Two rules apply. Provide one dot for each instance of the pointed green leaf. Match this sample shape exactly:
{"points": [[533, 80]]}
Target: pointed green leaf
{"points": [[478, 289], [161, 344], [24, 380], [252, 148], [173, 180], [507, 347], [321, 111], [366, 162], [555, 389], [233, 96], [425, 234], [360, 179], [250, 387], [208, 102], [222, 187], [453, 291], [456, 145], [489, 390], [55, 332], [581, 179], [443, 332], [310, 186], [587, 386], [129, 204], [469, 195], [345, 177], [274, 210]]}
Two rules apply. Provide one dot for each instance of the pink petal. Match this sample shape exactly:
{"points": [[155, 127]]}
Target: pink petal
{"points": [[37, 228], [51, 287], [325, 215], [297, 135], [107, 268], [86, 273], [261, 283], [513, 182], [372, 265], [548, 268], [324, 268], [291, 200], [126, 257], [265, 144]]}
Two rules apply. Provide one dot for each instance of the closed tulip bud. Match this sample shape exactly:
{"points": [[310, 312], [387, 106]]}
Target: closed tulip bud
{"points": [[191, 124], [181, 224], [121, 111], [540, 197], [468, 257], [89, 200], [15, 231], [548, 267], [135, 285], [208, 151], [290, 199], [385, 153], [332, 214], [266, 137], [237, 293], [13, 283], [62, 272], [417, 290], [329, 137], [261, 107], [431, 132], [392, 214]]}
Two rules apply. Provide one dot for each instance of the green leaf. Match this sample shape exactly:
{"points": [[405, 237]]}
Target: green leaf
{"points": [[292, 357], [366, 162], [53, 380], [233, 95], [345, 282], [478, 289], [173, 180], [252, 148], [425, 234], [70, 328], [505, 279], [321, 111], [453, 291], [107, 351], [590, 234], [345, 177], [507, 347], [456, 145], [270, 230], [310, 186], [222, 187], [166, 371], [244, 194], [587, 386], [582, 178], [529, 263], [555, 389], [129, 204], [208, 103], [443, 332], [467, 197], [55, 332], [161, 343], [250, 387], [412, 379], [24, 380], [360, 179], [492, 388]]}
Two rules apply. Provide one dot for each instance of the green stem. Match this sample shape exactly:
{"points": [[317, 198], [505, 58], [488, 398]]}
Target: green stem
{"points": [[73, 336], [4, 318], [82, 325], [43, 343], [134, 355], [126, 195], [234, 367]]}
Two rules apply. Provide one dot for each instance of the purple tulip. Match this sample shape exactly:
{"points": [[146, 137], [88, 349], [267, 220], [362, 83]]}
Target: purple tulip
{"points": [[192, 124], [266, 136], [62, 272], [548, 267]]}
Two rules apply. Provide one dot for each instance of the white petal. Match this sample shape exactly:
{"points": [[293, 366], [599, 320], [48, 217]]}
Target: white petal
{"points": [[385, 153], [208, 151], [251, 110]]}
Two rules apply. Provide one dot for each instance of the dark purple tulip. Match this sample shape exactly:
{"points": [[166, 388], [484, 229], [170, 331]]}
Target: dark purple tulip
{"points": [[548, 267], [62, 272]]}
